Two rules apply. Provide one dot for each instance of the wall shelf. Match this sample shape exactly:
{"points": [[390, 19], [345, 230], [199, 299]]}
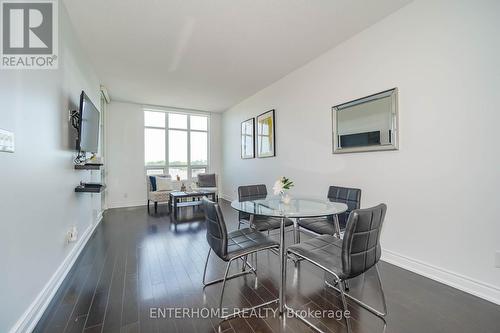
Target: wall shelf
{"points": [[88, 166], [90, 188]]}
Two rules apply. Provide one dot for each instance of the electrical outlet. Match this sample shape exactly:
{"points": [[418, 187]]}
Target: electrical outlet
{"points": [[6, 141], [497, 259], [72, 235]]}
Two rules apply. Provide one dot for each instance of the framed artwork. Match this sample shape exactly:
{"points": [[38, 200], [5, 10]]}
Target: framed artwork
{"points": [[266, 137], [247, 138]]}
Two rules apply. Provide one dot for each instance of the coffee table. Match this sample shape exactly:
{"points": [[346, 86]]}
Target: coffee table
{"points": [[176, 198]]}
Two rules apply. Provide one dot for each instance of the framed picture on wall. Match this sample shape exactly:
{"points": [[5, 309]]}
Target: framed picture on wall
{"points": [[266, 137], [248, 138]]}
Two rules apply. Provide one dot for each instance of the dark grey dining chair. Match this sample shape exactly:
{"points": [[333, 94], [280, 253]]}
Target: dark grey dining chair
{"points": [[231, 246], [325, 225], [257, 222], [349, 257]]}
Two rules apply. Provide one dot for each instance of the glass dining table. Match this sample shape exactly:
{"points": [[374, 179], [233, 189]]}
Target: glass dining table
{"points": [[296, 208]]}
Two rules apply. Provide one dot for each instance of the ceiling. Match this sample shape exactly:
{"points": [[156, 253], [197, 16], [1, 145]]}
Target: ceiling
{"points": [[211, 54]]}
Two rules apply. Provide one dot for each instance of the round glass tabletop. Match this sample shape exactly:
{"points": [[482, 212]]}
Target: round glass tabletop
{"points": [[297, 207]]}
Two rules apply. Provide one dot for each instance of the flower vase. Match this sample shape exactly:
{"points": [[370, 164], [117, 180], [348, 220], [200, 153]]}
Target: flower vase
{"points": [[285, 198]]}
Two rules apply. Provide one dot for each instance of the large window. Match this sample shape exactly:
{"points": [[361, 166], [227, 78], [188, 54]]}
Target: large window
{"points": [[175, 143]]}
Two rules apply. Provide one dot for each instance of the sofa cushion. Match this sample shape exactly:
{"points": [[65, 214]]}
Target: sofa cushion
{"points": [[206, 180]]}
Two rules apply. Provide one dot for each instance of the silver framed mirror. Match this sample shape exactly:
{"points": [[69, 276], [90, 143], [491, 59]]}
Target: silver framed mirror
{"points": [[366, 124]]}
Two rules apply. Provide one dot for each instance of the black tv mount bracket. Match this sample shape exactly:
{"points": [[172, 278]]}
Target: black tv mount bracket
{"points": [[74, 118]]}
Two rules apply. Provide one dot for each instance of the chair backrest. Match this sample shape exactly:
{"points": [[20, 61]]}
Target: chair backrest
{"points": [[361, 244], [216, 227], [350, 196], [250, 192], [207, 180]]}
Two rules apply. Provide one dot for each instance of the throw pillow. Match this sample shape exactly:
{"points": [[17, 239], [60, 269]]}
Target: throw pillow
{"points": [[152, 180], [163, 184]]}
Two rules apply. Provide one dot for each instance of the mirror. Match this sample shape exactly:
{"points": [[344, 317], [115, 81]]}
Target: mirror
{"points": [[366, 124]]}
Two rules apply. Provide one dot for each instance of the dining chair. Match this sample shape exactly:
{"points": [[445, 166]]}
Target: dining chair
{"points": [[325, 225], [349, 257], [230, 247], [257, 222]]}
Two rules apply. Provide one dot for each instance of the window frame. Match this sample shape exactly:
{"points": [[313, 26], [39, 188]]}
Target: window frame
{"points": [[188, 131]]}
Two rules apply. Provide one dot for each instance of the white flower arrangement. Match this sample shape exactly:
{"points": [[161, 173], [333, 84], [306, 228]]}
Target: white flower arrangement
{"points": [[280, 186]]}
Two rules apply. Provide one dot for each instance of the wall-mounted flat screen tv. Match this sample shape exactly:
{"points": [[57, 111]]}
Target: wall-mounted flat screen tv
{"points": [[88, 131]]}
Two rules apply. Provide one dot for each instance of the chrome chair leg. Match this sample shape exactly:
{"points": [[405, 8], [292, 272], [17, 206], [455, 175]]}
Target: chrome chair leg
{"points": [[224, 285], [379, 314], [296, 313], [226, 277], [206, 264], [344, 303], [338, 285], [245, 263], [252, 270], [384, 303]]}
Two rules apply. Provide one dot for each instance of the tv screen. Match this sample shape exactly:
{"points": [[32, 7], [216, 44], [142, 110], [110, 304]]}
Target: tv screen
{"points": [[88, 132]]}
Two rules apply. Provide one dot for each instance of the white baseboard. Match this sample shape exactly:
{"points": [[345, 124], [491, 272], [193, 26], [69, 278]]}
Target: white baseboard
{"points": [[477, 288], [99, 218], [124, 204], [32, 315], [226, 197]]}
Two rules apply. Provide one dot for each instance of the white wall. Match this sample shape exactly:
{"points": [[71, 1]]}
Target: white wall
{"points": [[126, 180], [38, 204], [442, 186]]}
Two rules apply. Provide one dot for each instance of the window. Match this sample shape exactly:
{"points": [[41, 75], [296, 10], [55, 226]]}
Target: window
{"points": [[175, 143], [154, 172]]}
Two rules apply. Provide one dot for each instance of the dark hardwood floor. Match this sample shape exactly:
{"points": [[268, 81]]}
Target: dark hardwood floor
{"points": [[136, 262]]}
